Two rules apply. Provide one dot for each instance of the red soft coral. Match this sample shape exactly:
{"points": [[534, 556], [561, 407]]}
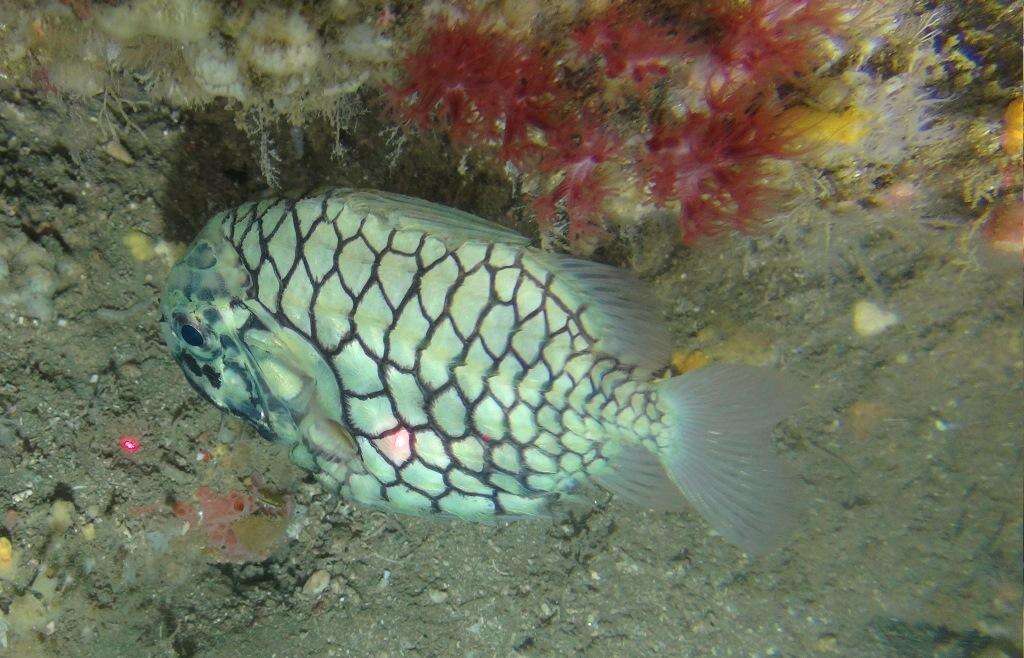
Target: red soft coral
{"points": [[769, 41], [711, 165], [576, 154], [481, 86], [631, 46]]}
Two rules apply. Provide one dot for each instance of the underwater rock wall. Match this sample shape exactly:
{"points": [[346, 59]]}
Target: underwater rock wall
{"points": [[709, 116]]}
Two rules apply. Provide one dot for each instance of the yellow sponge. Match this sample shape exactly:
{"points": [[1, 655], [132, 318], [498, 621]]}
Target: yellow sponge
{"points": [[1013, 128], [810, 127]]}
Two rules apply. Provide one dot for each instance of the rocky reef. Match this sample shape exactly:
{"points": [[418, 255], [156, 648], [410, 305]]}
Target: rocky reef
{"points": [[608, 117]]}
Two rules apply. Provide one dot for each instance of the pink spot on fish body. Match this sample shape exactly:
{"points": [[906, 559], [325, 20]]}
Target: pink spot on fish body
{"points": [[396, 445]]}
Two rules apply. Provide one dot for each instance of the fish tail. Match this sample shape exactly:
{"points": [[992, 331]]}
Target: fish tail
{"points": [[716, 450]]}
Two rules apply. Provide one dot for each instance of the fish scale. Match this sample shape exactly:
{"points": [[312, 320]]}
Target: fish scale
{"points": [[423, 360]]}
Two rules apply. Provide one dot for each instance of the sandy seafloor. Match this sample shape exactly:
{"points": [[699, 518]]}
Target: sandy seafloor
{"points": [[908, 450]]}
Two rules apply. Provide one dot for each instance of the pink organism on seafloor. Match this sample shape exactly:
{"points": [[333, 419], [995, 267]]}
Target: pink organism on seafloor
{"points": [[235, 527], [129, 444]]}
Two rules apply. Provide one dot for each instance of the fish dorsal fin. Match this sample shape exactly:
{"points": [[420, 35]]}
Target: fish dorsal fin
{"points": [[451, 226], [620, 310]]}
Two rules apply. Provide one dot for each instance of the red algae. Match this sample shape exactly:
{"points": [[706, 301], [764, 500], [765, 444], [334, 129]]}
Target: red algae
{"points": [[768, 40], [577, 155], [632, 47]]}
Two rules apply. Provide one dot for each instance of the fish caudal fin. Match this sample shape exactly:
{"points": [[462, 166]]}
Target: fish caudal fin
{"points": [[718, 450]]}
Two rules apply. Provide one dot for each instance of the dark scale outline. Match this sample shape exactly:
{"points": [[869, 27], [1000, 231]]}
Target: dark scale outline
{"points": [[318, 286], [382, 364]]}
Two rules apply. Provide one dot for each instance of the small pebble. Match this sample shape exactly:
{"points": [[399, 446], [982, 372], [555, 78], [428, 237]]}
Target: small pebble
{"points": [[139, 245], [21, 495], [317, 582], [114, 149], [6, 557], [867, 416], [870, 319], [827, 644], [60, 516], [437, 596]]}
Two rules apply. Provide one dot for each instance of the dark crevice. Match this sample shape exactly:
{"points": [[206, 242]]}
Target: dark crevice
{"points": [[37, 233]]}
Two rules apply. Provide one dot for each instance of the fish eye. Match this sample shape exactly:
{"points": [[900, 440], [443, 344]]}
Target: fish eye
{"points": [[191, 335]]}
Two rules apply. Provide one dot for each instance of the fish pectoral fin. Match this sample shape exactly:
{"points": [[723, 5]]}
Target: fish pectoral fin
{"points": [[288, 384], [328, 438], [282, 368]]}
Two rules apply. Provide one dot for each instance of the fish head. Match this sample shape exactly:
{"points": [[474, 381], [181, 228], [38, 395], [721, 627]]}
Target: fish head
{"points": [[202, 311]]}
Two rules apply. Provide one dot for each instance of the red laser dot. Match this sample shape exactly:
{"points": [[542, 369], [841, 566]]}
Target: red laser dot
{"points": [[129, 444]]}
